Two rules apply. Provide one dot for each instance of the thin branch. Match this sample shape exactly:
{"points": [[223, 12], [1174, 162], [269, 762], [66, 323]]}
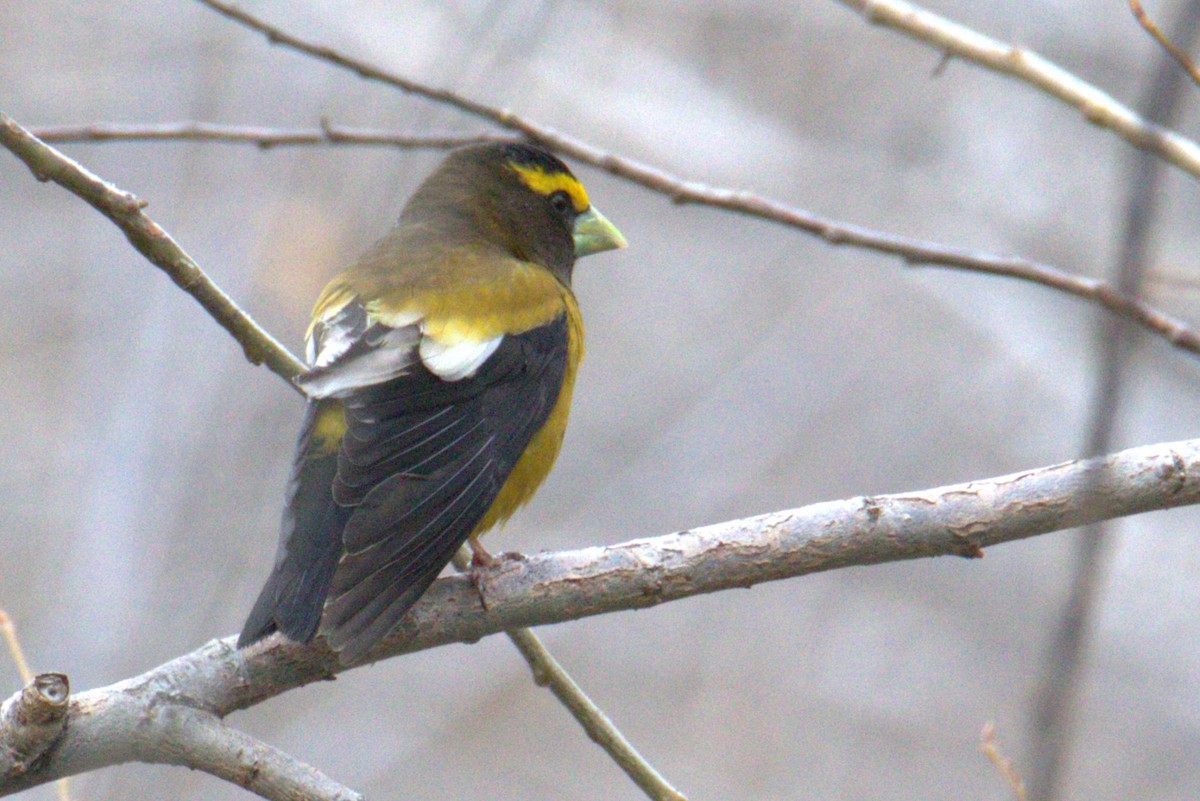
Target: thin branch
{"points": [[912, 251], [1175, 51], [1005, 765], [265, 138], [173, 733], [125, 210], [1182, 281], [370, 71], [557, 587], [9, 632], [547, 672], [1096, 106], [1056, 700]]}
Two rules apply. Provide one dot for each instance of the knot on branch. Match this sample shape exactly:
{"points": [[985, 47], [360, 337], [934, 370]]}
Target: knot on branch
{"points": [[31, 720]]}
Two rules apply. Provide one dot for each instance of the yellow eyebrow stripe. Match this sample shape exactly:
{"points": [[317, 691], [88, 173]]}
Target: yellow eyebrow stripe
{"points": [[547, 183]]}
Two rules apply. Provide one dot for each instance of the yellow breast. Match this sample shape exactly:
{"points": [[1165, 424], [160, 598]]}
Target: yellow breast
{"points": [[535, 463]]}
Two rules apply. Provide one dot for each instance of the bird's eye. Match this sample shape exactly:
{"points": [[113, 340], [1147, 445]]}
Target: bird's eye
{"points": [[561, 203]]}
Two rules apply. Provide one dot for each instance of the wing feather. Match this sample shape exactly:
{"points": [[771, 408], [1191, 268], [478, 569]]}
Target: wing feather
{"points": [[348, 350], [421, 463], [432, 430]]}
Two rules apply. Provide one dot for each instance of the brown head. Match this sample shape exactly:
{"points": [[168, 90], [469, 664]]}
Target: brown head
{"points": [[516, 197]]}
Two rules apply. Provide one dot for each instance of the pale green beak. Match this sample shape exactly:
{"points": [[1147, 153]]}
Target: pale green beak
{"points": [[595, 234]]}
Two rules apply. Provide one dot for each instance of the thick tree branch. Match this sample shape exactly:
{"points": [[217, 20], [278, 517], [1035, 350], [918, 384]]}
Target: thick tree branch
{"points": [[11, 757], [556, 587], [179, 734], [167, 729], [125, 209], [1097, 106]]}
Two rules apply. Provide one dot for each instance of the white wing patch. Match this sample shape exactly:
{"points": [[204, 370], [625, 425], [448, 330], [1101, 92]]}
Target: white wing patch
{"points": [[458, 361], [351, 347], [329, 340], [335, 342], [347, 350], [386, 356]]}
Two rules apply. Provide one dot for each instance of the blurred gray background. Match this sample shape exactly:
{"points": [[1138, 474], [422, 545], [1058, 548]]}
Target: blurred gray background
{"points": [[734, 367]]}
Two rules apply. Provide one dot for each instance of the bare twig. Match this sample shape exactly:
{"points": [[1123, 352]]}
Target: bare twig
{"points": [[266, 138], [125, 209], [1182, 281], [1096, 106], [912, 251], [547, 672], [169, 733], [1008, 770], [1175, 51], [9, 631], [557, 587], [1056, 700]]}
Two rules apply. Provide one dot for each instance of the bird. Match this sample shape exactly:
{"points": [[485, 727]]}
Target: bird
{"points": [[441, 366]]}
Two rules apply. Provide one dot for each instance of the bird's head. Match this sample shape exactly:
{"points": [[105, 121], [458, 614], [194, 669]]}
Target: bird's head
{"points": [[517, 197]]}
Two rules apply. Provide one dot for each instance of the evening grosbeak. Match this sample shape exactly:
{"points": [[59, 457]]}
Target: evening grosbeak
{"points": [[441, 369]]}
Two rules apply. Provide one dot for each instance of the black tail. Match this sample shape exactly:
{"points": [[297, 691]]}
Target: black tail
{"points": [[310, 542]]}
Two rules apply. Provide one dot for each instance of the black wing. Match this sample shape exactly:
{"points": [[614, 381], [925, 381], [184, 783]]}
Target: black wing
{"points": [[420, 463], [310, 541], [371, 521]]}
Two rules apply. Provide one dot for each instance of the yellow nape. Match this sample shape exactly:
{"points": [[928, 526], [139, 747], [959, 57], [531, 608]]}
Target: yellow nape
{"points": [[547, 183]]}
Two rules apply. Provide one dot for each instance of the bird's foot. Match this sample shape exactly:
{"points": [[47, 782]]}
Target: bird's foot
{"points": [[483, 562], [481, 556]]}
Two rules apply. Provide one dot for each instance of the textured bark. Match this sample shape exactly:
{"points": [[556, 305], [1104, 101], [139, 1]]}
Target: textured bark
{"points": [[126, 721], [30, 722]]}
